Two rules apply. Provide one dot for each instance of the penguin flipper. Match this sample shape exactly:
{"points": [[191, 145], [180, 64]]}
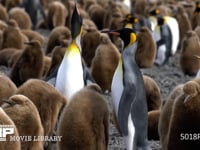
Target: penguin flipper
{"points": [[126, 101], [52, 75]]}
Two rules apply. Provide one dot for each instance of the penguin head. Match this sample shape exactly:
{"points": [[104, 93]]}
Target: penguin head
{"points": [[8, 103], [127, 35], [197, 9], [76, 23], [154, 12], [131, 19], [190, 89]]}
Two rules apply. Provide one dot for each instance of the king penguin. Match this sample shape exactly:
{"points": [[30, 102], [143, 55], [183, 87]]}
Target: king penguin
{"points": [[70, 72], [164, 43], [166, 33], [128, 94]]}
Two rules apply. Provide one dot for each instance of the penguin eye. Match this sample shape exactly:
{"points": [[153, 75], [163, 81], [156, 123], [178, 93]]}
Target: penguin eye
{"points": [[132, 38]]}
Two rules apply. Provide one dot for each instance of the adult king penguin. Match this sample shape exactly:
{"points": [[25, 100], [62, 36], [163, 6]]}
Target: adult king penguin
{"points": [[128, 94], [70, 72], [166, 34]]}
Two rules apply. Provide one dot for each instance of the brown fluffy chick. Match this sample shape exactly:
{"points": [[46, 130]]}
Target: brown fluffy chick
{"points": [[105, 62], [29, 64], [26, 118], [8, 144], [84, 123]]}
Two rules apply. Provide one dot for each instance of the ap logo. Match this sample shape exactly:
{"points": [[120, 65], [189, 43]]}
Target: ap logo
{"points": [[5, 130]]}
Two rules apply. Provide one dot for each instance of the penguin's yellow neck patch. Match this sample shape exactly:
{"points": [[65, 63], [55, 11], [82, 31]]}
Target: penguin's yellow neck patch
{"points": [[119, 67], [120, 59], [72, 49], [132, 38], [136, 20]]}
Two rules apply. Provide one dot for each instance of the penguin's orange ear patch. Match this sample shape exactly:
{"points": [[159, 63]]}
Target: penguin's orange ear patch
{"points": [[136, 20], [157, 11], [198, 5]]}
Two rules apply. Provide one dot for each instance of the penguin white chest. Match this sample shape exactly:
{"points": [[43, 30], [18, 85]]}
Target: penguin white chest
{"points": [[117, 87], [174, 27], [70, 76]]}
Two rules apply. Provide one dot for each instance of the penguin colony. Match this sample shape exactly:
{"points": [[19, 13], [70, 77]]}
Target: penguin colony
{"points": [[93, 47]]}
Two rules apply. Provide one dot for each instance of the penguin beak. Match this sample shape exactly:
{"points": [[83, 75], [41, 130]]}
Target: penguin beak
{"points": [[10, 102], [197, 56], [28, 43], [111, 32], [187, 98]]}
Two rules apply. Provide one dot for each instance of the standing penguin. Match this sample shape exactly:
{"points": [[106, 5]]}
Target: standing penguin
{"points": [[70, 72], [166, 34], [164, 42], [128, 94]]}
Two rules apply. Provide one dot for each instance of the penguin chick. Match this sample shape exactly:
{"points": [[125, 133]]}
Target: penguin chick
{"points": [[84, 123], [89, 42], [7, 54], [190, 47], [88, 24], [8, 144], [29, 64], [146, 51], [26, 118], [11, 3], [56, 15], [153, 94], [153, 119], [12, 36], [21, 17], [185, 118], [3, 25], [7, 88], [3, 13], [57, 35], [46, 66], [96, 13], [182, 16], [33, 35], [166, 113], [47, 100], [105, 62], [113, 16]]}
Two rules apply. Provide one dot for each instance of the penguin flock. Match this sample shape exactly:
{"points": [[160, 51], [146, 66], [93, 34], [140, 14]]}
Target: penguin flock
{"points": [[59, 60]]}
